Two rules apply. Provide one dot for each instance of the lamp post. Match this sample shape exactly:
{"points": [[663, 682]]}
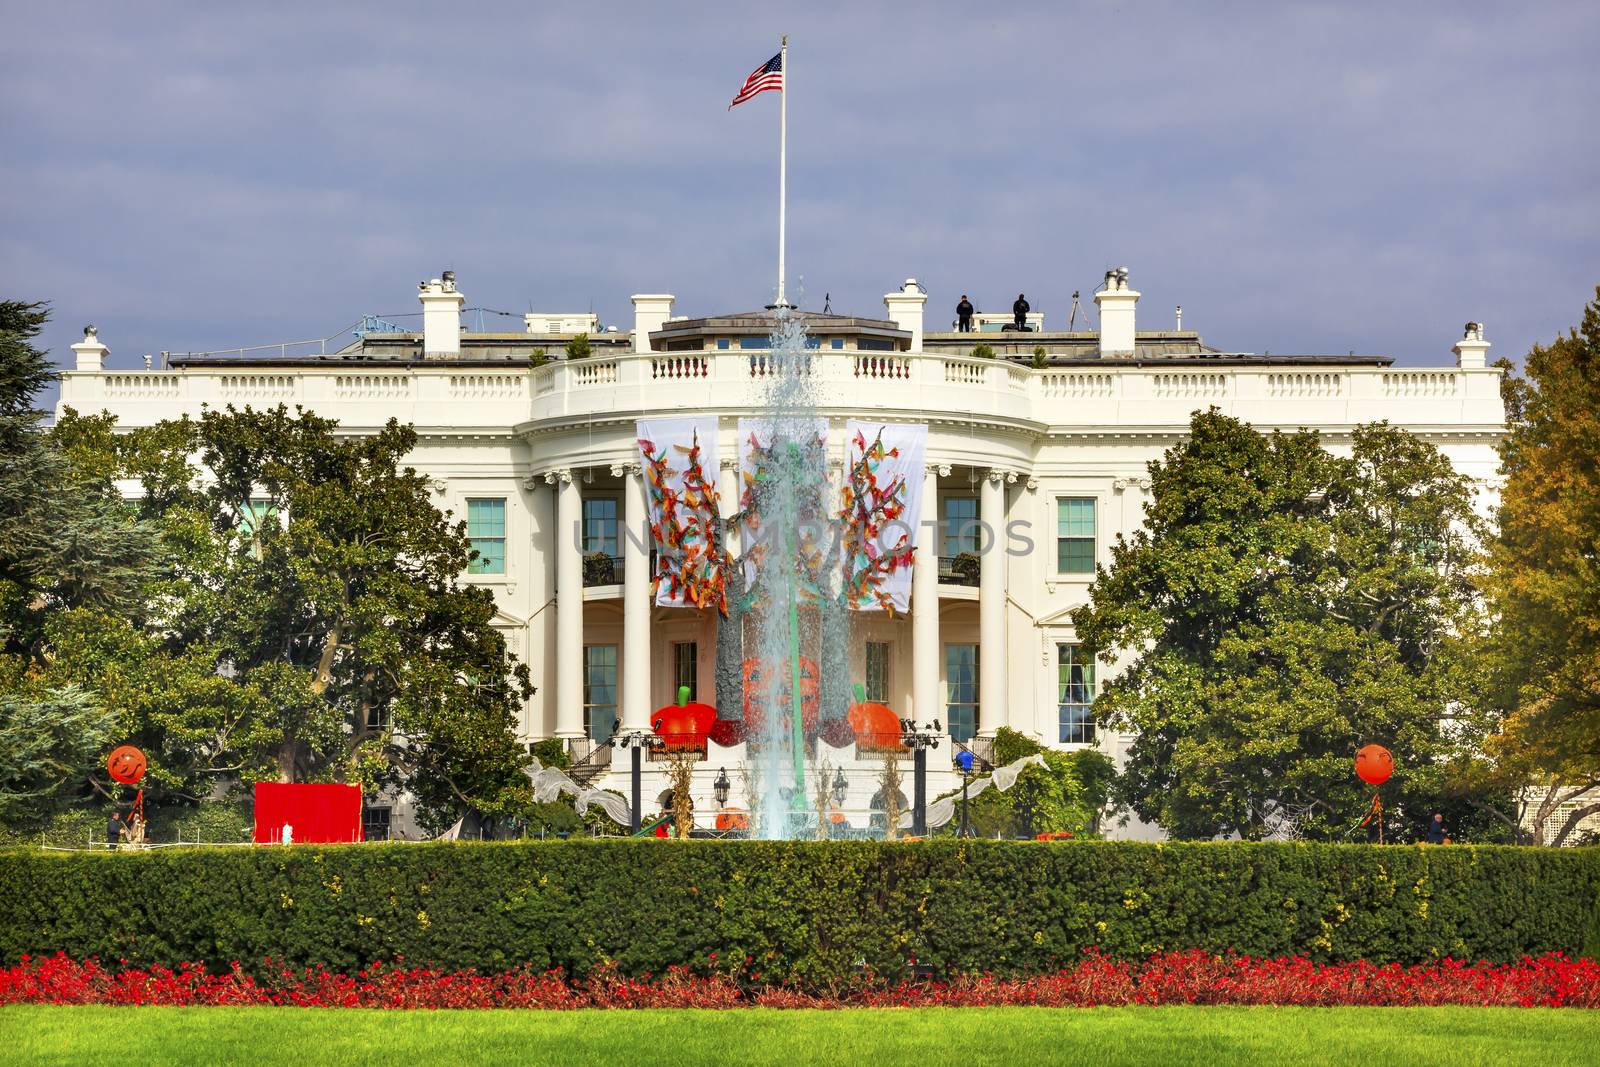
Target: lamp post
{"points": [[636, 741], [839, 788], [719, 788], [919, 739], [964, 760]]}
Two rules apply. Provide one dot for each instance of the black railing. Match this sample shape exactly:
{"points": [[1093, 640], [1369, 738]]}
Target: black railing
{"points": [[601, 569], [960, 570]]}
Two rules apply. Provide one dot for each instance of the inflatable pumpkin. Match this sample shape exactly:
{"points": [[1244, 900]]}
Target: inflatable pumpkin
{"points": [[683, 725], [758, 680], [1374, 765], [126, 764], [877, 727], [733, 819]]}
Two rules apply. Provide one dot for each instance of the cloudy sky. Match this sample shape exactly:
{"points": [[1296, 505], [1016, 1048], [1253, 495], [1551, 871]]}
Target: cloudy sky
{"points": [[1301, 178]]}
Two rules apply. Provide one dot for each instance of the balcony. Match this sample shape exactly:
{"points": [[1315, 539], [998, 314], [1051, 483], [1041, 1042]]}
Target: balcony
{"points": [[601, 569], [960, 570]]}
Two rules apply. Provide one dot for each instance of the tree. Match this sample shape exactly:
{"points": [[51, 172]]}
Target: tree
{"points": [[46, 747], [578, 347], [316, 627], [66, 538], [1542, 583], [1280, 608]]}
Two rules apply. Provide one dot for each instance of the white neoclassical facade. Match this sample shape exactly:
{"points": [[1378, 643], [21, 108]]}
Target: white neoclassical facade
{"points": [[1049, 443]]}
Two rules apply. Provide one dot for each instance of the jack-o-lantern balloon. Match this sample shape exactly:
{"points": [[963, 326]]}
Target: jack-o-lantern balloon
{"points": [[126, 764], [759, 678], [1374, 765], [685, 724], [877, 727]]}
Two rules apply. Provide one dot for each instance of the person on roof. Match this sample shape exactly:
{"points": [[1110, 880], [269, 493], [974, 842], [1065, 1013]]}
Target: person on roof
{"points": [[964, 315], [1019, 311]]}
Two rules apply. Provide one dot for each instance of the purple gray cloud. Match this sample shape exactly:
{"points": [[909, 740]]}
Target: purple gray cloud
{"points": [[1300, 178]]}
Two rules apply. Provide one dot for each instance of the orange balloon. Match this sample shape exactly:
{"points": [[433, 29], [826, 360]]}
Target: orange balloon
{"points": [[877, 727], [126, 764], [1374, 765]]}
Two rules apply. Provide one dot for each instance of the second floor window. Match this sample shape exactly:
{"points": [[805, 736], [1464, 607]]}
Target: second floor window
{"points": [[486, 528], [600, 526], [961, 531], [1075, 535]]}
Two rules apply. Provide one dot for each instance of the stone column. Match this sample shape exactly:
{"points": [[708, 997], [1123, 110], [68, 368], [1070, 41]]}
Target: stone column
{"points": [[926, 701], [992, 605], [569, 606], [636, 646]]}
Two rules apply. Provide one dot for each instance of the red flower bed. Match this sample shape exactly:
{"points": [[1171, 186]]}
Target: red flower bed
{"points": [[1194, 977]]}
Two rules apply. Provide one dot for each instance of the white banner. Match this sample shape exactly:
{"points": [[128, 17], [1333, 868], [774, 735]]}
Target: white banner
{"points": [[881, 509], [680, 471]]}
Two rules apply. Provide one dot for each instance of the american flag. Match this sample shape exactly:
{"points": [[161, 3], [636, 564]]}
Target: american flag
{"points": [[767, 76]]}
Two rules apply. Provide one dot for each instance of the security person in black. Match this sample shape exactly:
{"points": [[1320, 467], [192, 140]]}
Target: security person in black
{"points": [[964, 315], [1019, 311]]}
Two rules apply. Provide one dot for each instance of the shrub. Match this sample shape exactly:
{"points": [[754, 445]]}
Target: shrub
{"points": [[1591, 942], [578, 347], [982, 351], [806, 912], [1041, 358]]}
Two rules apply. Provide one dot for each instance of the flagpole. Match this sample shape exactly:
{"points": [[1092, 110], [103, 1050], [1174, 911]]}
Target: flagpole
{"points": [[783, 164]]}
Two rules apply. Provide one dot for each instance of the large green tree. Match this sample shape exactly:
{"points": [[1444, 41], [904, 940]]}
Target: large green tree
{"points": [[317, 627], [1281, 607], [1543, 585], [68, 545]]}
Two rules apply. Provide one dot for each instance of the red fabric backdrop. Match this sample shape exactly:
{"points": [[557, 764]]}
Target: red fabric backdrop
{"points": [[317, 812]]}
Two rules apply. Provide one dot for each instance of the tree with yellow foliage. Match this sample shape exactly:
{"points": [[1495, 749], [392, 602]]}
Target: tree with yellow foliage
{"points": [[1542, 584]]}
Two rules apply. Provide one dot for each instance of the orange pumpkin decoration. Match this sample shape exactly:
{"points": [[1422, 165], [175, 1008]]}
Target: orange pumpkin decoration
{"points": [[126, 764], [877, 727], [683, 725], [757, 684], [1374, 764], [733, 819]]}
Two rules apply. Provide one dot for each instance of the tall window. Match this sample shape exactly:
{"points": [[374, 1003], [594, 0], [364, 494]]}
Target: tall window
{"points": [[686, 668], [486, 528], [961, 530], [1075, 535], [257, 514], [961, 689], [1075, 672], [878, 671], [599, 691], [600, 525]]}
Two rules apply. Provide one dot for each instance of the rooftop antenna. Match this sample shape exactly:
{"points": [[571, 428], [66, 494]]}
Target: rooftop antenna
{"points": [[1073, 318], [1180, 318]]}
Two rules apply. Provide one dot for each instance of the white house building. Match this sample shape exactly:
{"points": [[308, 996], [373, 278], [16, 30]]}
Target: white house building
{"points": [[538, 454]]}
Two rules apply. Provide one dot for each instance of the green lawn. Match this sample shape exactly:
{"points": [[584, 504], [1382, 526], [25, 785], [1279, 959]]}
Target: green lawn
{"points": [[1015, 1037]]}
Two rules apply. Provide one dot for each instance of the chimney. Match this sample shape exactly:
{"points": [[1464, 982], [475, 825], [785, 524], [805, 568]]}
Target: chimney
{"points": [[650, 312], [1469, 350], [1116, 302], [90, 352], [905, 310], [441, 316]]}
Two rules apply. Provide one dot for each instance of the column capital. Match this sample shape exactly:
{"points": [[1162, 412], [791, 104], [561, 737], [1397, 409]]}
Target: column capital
{"points": [[1124, 484], [944, 470], [626, 470], [1031, 484], [997, 475], [729, 463], [563, 475]]}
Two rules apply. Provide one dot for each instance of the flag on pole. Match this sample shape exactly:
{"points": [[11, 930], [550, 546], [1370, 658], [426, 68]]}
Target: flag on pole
{"points": [[767, 76]]}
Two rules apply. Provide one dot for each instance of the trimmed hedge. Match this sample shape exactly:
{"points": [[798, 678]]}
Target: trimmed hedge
{"points": [[806, 912]]}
